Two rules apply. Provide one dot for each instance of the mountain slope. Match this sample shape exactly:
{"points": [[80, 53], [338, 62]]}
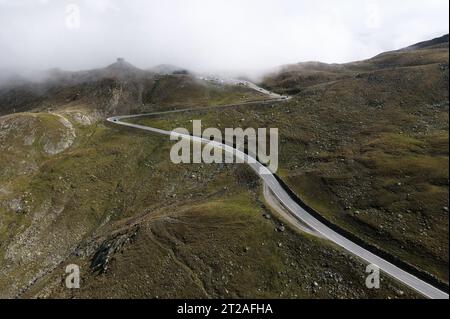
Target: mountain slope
{"points": [[120, 88], [440, 42], [365, 144], [369, 150], [293, 79]]}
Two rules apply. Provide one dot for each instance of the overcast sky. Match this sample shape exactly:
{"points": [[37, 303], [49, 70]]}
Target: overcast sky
{"points": [[210, 35]]}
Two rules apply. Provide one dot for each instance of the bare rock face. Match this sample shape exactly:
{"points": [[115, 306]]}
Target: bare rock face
{"points": [[25, 131], [66, 140], [111, 246]]}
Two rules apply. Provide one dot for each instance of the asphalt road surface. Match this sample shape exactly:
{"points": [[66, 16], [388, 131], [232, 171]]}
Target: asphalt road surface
{"points": [[295, 209]]}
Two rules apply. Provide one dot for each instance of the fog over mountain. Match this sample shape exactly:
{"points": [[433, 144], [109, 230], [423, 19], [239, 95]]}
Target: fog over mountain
{"points": [[204, 35]]}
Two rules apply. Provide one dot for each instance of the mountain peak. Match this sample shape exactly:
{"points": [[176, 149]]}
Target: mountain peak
{"points": [[122, 65], [123, 69]]}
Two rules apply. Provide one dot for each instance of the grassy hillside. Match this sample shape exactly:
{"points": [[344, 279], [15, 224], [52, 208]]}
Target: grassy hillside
{"points": [[140, 226], [365, 144], [368, 151], [294, 79]]}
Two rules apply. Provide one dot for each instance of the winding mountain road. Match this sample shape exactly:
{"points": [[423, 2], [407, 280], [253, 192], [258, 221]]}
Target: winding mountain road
{"points": [[297, 212]]}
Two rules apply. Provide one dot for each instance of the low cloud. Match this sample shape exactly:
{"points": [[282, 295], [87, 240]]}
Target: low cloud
{"points": [[210, 35]]}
